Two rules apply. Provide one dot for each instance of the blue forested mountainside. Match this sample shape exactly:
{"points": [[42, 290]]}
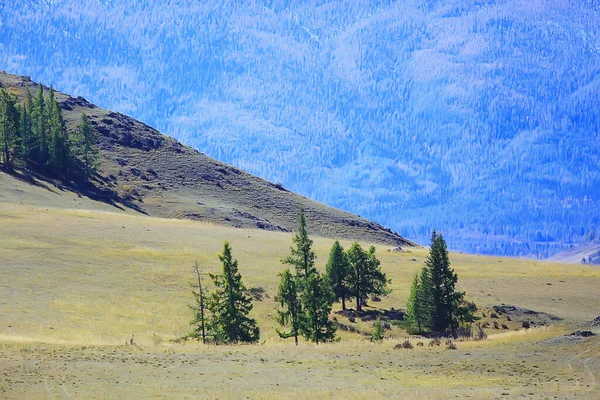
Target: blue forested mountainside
{"points": [[477, 118]]}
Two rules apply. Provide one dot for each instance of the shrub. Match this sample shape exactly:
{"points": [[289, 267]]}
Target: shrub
{"points": [[435, 342], [496, 326], [156, 339], [464, 331], [367, 317], [494, 315], [347, 328], [471, 306], [526, 324], [419, 344], [450, 345], [377, 332], [479, 333], [404, 345], [504, 326], [257, 293], [126, 192]]}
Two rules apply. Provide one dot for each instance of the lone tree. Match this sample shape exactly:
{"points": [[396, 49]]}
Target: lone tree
{"points": [[200, 321], [337, 271], [302, 257], [446, 302], [292, 314], [229, 305], [365, 276]]}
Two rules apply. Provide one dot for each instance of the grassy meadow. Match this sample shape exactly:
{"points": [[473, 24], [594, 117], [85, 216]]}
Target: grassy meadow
{"points": [[77, 284]]}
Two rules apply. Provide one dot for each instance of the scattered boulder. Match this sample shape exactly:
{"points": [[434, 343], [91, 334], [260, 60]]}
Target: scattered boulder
{"points": [[525, 314], [582, 334], [571, 337]]}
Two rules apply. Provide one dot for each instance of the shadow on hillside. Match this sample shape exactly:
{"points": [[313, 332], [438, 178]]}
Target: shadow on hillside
{"points": [[79, 186], [27, 177], [371, 314]]}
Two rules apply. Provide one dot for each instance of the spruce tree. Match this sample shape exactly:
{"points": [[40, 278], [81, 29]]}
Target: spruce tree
{"points": [[337, 270], [317, 299], [418, 310], [292, 315], [365, 276], [313, 291], [302, 257], [229, 305], [445, 300]]}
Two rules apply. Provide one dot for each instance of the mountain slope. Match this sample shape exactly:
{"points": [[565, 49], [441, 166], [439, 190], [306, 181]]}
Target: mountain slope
{"points": [[586, 253], [162, 177], [476, 118]]}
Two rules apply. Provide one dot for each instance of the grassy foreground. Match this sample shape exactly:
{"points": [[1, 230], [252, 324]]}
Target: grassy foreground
{"points": [[77, 284]]}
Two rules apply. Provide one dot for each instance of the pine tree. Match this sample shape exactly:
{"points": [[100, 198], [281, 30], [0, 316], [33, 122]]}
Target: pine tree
{"points": [[337, 270], [302, 257], [86, 147], [292, 315], [200, 318], [229, 305], [317, 299], [445, 299], [365, 275]]}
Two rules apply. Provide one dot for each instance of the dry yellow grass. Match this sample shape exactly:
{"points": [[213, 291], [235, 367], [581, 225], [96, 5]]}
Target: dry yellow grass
{"points": [[76, 284]]}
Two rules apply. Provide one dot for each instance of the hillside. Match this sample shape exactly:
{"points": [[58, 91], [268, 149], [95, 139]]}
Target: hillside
{"points": [[586, 253], [79, 283], [156, 175], [477, 118]]}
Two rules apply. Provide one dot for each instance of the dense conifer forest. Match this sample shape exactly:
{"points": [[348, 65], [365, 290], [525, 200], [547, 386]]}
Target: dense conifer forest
{"points": [[479, 118], [34, 136]]}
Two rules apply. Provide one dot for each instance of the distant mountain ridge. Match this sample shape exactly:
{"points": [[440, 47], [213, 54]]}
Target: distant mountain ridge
{"points": [[161, 177], [475, 118]]}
